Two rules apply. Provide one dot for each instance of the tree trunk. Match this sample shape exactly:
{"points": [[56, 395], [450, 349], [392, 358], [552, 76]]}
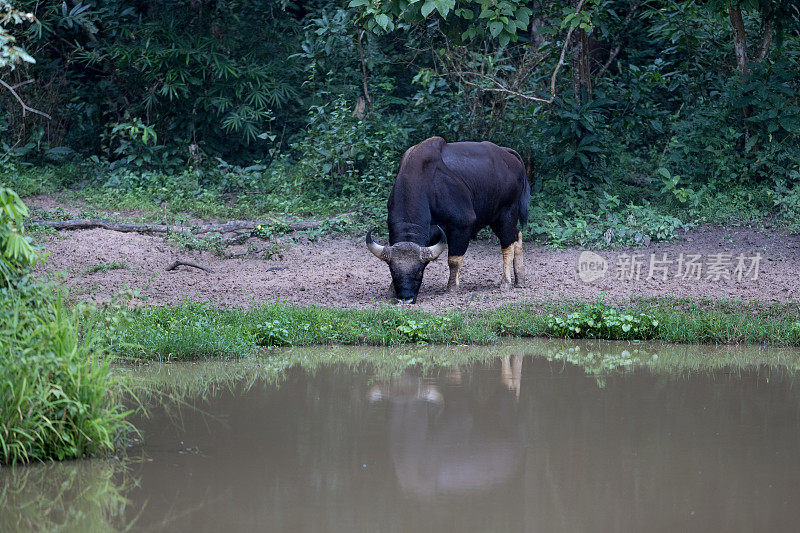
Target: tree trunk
{"points": [[581, 76], [739, 38], [364, 78], [767, 32]]}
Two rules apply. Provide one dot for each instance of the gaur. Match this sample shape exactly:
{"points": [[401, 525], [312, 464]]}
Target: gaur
{"points": [[458, 189]]}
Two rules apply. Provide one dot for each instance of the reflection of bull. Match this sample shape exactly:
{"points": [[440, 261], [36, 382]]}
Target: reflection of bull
{"points": [[444, 442]]}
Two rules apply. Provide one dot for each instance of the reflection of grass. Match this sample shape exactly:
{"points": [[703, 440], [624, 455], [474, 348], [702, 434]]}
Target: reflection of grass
{"points": [[177, 381], [73, 496], [196, 330]]}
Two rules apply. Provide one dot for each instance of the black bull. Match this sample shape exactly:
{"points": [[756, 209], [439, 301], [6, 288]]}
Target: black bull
{"points": [[461, 188]]}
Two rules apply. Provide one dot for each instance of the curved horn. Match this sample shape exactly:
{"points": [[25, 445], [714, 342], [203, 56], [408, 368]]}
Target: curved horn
{"points": [[381, 252], [432, 252]]}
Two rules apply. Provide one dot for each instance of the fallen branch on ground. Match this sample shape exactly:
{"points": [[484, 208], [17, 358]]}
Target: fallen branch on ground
{"points": [[181, 262], [226, 227]]}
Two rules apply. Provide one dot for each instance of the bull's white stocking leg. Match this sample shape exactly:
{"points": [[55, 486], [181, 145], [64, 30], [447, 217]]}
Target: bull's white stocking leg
{"points": [[508, 260], [519, 263], [454, 262]]}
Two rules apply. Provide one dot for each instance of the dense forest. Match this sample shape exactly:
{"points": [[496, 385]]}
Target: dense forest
{"points": [[634, 117]]}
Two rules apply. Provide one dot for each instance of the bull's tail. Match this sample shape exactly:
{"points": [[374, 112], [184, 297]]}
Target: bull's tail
{"points": [[524, 200], [525, 197]]}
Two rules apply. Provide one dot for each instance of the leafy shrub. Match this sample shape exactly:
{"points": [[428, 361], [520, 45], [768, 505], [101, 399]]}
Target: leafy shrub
{"points": [[59, 397], [788, 201], [344, 156], [209, 242], [603, 322], [57, 394], [603, 222], [273, 333], [16, 252]]}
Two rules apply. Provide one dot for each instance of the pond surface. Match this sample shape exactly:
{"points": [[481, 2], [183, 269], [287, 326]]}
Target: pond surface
{"points": [[514, 441]]}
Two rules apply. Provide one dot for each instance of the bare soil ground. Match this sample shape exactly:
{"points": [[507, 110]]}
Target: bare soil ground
{"points": [[340, 272]]}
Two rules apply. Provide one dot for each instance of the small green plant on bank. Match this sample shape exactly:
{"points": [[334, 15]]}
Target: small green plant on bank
{"points": [[105, 267], [272, 333], [269, 231], [599, 321], [209, 242], [602, 222]]}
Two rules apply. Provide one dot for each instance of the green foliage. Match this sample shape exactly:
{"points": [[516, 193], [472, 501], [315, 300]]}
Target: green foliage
{"points": [[600, 321], [465, 20], [59, 397], [307, 108], [602, 222], [10, 53], [16, 252], [343, 156], [105, 267], [208, 242], [272, 333]]}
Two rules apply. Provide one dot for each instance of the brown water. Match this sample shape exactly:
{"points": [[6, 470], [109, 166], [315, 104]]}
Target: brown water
{"points": [[515, 443]]}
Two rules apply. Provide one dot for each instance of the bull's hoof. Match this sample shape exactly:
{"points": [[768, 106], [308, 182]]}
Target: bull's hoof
{"points": [[505, 285], [519, 283], [453, 288]]}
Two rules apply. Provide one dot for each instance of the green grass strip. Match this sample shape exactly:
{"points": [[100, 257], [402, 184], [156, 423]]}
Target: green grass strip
{"points": [[192, 330]]}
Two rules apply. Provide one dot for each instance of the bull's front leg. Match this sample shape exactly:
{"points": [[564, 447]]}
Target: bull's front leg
{"points": [[457, 243], [454, 262]]}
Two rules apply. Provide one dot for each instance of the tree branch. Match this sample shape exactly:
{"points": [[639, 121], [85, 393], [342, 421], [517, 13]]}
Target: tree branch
{"points": [[227, 227], [364, 78], [500, 88], [182, 262], [25, 107], [615, 52], [768, 31]]}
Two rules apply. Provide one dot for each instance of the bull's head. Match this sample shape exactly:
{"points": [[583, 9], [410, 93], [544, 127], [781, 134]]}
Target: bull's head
{"points": [[407, 262]]}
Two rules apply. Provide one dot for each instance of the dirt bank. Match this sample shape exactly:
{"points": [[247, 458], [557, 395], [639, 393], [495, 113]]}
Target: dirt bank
{"points": [[340, 272]]}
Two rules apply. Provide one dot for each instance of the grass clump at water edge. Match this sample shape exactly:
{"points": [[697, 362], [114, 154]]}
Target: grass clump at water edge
{"points": [[58, 398]]}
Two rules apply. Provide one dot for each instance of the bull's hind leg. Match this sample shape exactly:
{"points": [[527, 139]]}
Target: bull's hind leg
{"points": [[510, 245], [508, 260], [519, 263]]}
